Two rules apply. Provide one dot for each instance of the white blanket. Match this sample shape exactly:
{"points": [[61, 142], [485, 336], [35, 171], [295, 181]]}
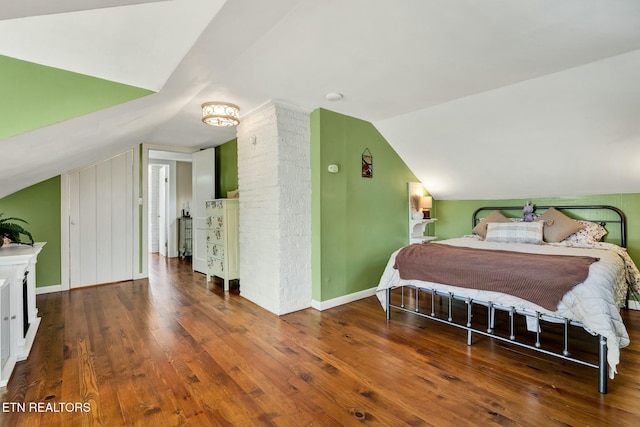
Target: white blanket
{"points": [[595, 302]]}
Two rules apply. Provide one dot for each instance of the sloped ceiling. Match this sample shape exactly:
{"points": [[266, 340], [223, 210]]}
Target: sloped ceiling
{"points": [[482, 99]]}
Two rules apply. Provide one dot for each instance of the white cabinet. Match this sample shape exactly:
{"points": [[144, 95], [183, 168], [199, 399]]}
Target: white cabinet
{"points": [[7, 338], [18, 312], [417, 229], [222, 240]]}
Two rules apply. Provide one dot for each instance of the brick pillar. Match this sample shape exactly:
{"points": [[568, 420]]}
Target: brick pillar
{"points": [[274, 179]]}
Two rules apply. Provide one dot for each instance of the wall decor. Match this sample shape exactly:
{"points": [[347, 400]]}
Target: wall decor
{"points": [[367, 164]]}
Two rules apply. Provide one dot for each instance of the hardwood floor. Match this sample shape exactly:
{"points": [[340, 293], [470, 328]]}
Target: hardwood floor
{"points": [[168, 351]]}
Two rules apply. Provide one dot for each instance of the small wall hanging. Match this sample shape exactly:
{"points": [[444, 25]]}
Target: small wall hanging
{"points": [[367, 164]]}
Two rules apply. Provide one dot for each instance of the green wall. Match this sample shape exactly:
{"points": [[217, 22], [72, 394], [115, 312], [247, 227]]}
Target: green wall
{"points": [[356, 222], [226, 168], [39, 205], [34, 96], [454, 216]]}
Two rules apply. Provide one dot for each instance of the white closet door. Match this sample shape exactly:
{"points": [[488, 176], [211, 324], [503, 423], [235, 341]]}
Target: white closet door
{"points": [[101, 222], [203, 189]]}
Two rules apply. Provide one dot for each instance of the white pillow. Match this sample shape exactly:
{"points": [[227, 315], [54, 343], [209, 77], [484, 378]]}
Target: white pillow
{"points": [[515, 232]]}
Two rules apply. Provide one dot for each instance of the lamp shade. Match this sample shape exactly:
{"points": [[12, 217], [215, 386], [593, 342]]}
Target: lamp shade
{"points": [[220, 114], [426, 202]]}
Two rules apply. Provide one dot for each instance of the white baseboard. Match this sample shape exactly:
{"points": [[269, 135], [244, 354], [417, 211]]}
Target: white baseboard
{"points": [[633, 305], [48, 289], [325, 305]]}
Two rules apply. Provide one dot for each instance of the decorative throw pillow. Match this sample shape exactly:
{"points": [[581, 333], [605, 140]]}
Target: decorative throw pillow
{"points": [[494, 216], [591, 233], [515, 232], [558, 226]]}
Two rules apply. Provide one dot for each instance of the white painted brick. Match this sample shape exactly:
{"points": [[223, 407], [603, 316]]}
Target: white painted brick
{"points": [[274, 178]]}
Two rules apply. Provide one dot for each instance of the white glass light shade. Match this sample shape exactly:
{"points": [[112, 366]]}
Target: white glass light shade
{"points": [[220, 114]]}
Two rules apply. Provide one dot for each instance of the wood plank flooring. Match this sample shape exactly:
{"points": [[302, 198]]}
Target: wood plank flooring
{"points": [[169, 352]]}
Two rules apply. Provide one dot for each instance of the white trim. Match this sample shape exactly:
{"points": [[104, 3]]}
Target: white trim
{"points": [[176, 149], [142, 271], [50, 289], [172, 210], [139, 263], [137, 274], [345, 299], [64, 233]]}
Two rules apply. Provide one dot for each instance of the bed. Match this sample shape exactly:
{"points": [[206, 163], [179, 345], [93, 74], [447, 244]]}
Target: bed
{"points": [[592, 279]]}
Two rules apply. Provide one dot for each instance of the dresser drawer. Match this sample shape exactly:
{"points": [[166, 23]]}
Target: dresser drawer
{"points": [[216, 251], [215, 266], [215, 236], [214, 207], [215, 221]]}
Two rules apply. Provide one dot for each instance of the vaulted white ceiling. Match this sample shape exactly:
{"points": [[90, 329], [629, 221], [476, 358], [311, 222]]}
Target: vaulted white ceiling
{"points": [[482, 99], [139, 45]]}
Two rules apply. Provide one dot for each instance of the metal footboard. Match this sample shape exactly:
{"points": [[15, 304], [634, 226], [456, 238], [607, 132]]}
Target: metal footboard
{"points": [[489, 331]]}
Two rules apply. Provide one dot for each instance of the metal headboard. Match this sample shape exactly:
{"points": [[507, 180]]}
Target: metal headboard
{"points": [[618, 219]]}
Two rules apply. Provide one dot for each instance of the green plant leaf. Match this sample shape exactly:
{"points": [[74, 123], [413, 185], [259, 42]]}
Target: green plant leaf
{"points": [[12, 231]]}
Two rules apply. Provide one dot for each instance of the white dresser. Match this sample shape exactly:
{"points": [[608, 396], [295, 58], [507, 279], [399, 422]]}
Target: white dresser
{"points": [[222, 240], [19, 319]]}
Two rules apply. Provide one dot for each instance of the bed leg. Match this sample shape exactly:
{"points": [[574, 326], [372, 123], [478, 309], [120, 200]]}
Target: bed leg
{"points": [[512, 333], [469, 316], [566, 337], [490, 317], [433, 303], [537, 329], [602, 366], [388, 291]]}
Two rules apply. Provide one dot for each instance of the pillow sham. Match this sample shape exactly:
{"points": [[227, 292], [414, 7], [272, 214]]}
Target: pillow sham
{"points": [[515, 232], [591, 233], [494, 216], [558, 226]]}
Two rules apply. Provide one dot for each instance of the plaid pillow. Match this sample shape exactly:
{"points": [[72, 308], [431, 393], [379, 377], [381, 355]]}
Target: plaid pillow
{"points": [[515, 232], [494, 216]]}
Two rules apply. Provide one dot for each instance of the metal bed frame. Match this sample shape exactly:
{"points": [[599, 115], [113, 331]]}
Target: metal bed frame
{"points": [[618, 218]]}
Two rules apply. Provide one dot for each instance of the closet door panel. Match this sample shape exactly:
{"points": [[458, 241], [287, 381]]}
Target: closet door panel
{"points": [[101, 222]]}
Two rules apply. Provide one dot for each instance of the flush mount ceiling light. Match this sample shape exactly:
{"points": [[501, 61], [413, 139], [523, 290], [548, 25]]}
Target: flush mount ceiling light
{"points": [[220, 114]]}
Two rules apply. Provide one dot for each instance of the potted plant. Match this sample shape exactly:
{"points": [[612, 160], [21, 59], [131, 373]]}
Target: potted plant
{"points": [[11, 230]]}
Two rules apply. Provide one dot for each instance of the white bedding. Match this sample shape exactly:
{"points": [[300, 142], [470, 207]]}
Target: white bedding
{"points": [[595, 302]]}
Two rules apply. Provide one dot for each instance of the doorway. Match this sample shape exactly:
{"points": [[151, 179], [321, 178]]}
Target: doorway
{"points": [[168, 202], [158, 208]]}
